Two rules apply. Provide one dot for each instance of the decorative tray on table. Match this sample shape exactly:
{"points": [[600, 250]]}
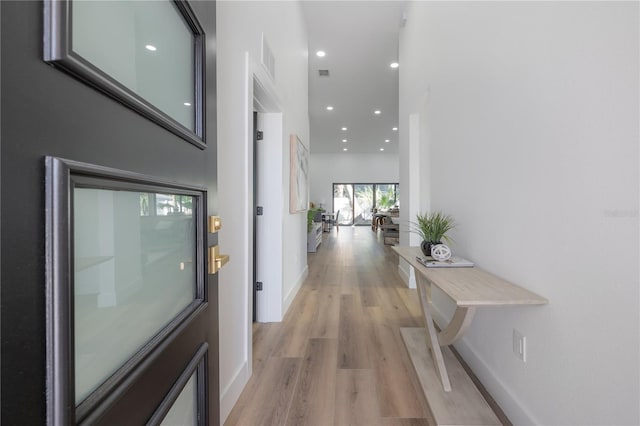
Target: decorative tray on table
{"points": [[453, 262]]}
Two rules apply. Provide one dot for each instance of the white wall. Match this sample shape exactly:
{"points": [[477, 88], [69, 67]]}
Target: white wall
{"points": [[327, 169], [239, 31], [530, 113]]}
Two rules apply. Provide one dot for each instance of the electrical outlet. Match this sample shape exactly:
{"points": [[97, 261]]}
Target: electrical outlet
{"points": [[519, 345]]}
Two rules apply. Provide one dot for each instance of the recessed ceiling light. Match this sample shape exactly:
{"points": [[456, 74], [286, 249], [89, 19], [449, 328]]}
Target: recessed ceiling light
{"points": [[395, 129], [345, 149], [344, 129], [151, 47], [394, 65], [329, 108], [344, 140], [187, 104], [387, 140], [377, 112], [381, 149], [321, 54]]}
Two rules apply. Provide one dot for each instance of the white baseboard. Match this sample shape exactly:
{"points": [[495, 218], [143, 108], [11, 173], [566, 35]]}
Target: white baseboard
{"points": [[294, 291], [504, 397], [230, 394]]}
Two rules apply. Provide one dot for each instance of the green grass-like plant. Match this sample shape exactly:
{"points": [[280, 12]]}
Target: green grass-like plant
{"points": [[432, 227], [311, 213]]}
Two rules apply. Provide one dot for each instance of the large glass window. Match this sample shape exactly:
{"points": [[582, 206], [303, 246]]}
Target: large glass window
{"points": [[363, 203], [343, 203], [356, 201], [385, 196]]}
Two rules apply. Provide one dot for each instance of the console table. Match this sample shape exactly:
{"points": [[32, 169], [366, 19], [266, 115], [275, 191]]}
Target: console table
{"points": [[469, 288]]}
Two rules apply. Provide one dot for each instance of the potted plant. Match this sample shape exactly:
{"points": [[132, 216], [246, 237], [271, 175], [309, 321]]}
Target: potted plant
{"points": [[311, 213], [432, 227]]}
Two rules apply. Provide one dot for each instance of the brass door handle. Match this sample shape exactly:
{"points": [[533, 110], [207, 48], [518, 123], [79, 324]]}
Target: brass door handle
{"points": [[216, 260]]}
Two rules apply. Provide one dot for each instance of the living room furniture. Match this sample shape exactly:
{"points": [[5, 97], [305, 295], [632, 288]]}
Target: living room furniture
{"points": [[330, 219], [377, 220], [314, 237], [390, 230], [470, 289]]}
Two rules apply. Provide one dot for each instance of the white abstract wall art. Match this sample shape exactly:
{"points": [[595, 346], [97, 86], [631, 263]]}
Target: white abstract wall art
{"points": [[299, 177]]}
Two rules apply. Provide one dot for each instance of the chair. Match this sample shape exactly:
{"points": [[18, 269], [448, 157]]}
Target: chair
{"points": [[335, 221], [390, 231]]}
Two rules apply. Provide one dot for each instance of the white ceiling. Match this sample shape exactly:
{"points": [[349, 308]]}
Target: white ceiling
{"points": [[360, 39]]}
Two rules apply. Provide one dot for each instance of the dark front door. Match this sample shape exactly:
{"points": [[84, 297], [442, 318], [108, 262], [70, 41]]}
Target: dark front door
{"points": [[92, 341]]}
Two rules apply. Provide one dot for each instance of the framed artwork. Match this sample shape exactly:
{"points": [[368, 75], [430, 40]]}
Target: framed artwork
{"points": [[299, 176], [147, 55]]}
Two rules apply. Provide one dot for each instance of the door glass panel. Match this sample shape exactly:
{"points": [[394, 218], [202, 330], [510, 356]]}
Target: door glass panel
{"points": [[134, 271], [343, 202], [363, 204], [385, 196], [145, 46], [184, 410]]}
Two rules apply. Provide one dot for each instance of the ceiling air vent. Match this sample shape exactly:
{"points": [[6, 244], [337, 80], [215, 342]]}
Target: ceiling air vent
{"points": [[323, 73]]}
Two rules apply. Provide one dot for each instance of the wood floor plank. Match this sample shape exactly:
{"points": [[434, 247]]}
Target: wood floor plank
{"points": [[333, 275], [294, 334], [349, 279], [395, 310], [271, 398], [314, 398], [353, 338], [356, 402], [369, 296], [265, 338], [411, 301], [397, 394], [327, 318]]}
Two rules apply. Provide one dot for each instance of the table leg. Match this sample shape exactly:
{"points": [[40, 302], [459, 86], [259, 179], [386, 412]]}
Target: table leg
{"points": [[457, 326], [433, 344]]}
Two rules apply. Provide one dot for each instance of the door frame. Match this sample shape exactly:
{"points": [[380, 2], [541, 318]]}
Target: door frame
{"points": [[260, 95]]}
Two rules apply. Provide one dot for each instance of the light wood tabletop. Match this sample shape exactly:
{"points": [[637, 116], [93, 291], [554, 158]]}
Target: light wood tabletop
{"points": [[471, 286]]}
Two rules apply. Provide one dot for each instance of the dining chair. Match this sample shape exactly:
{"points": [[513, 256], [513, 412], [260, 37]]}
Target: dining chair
{"points": [[335, 221]]}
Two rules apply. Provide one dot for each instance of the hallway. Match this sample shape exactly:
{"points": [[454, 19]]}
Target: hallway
{"points": [[338, 358]]}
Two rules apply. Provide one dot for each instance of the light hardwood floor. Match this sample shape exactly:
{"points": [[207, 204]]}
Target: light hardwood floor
{"points": [[338, 357]]}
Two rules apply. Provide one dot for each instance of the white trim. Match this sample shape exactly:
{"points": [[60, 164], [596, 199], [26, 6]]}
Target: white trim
{"points": [[230, 394], [248, 219], [265, 100], [294, 291]]}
